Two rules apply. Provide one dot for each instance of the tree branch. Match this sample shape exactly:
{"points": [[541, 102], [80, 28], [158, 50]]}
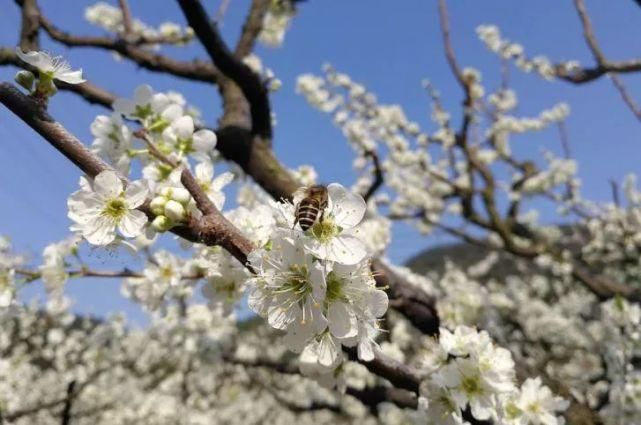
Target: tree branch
{"points": [[251, 28], [247, 80], [195, 70]]}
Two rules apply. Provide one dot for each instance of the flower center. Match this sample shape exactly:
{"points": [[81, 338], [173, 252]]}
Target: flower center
{"points": [[534, 407], [142, 111], [512, 411], [185, 146], [324, 230], [471, 385], [115, 208], [5, 280], [166, 272], [226, 287], [334, 288], [296, 283]]}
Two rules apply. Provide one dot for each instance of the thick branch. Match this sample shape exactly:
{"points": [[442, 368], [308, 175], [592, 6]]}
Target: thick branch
{"points": [[35, 115], [249, 82]]}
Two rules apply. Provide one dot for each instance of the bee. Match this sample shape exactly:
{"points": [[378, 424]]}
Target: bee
{"points": [[311, 207]]}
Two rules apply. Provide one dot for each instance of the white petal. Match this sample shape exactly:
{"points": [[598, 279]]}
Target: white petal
{"points": [[142, 94], [124, 106], [101, 231], [328, 351], [346, 249], [257, 301], [37, 59], [342, 324], [135, 194], [107, 184], [280, 318], [365, 350], [132, 223], [71, 77], [204, 140], [348, 208], [159, 101], [204, 171], [378, 302], [222, 180], [172, 112], [183, 127]]}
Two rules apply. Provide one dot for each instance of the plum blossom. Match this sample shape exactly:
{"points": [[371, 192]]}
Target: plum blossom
{"points": [[100, 207], [334, 237], [51, 67], [181, 136], [288, 289], [204, 174], [535, 404]]}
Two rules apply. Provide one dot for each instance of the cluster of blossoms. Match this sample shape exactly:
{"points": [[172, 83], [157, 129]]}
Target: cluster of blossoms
{"points": [[317, 285], [541, 65], [110, 18], [166, 141], [426, 172], [465, 369], [614, 240], [276, 22], [8, 263]]}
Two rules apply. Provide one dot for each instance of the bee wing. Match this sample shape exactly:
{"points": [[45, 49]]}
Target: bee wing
{"points": [[299, 194]]}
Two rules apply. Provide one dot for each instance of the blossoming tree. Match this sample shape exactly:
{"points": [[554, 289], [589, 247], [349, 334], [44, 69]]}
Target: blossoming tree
{"points": [[341, 334]]}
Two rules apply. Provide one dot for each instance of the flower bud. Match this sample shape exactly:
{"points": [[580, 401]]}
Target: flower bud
{"points": [[157, 205], [181, 195], [25, 79], [166, 192], [161, 223], [174, 211]]}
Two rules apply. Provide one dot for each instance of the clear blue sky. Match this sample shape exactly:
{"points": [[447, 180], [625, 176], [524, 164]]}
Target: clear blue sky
{"points": [[390, 46]]}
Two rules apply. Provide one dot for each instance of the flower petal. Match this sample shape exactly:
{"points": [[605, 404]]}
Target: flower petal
{"points": [[71, 77], [204, 140], [342, 324], [39, 60], [183, 127], [142, 94], [328, 350], [107, 184], [132, 223], [378, 302], [348, 208], [345, 249], [101, 231], [135, 194]]}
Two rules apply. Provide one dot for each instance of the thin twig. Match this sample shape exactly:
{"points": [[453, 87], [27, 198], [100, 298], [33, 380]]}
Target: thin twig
{"points": [[588, 33], [127, 22], [378, 176], [447, 43], [626, 96], [66, 410]]}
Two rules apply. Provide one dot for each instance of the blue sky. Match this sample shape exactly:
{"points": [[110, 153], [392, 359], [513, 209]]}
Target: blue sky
{"points": [[388, 46]]}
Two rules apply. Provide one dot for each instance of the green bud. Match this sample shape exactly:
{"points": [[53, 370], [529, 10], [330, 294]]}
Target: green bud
{"points": [[175, 211], [181, 195], [161, 223], [25, 79], [157, 205]]}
